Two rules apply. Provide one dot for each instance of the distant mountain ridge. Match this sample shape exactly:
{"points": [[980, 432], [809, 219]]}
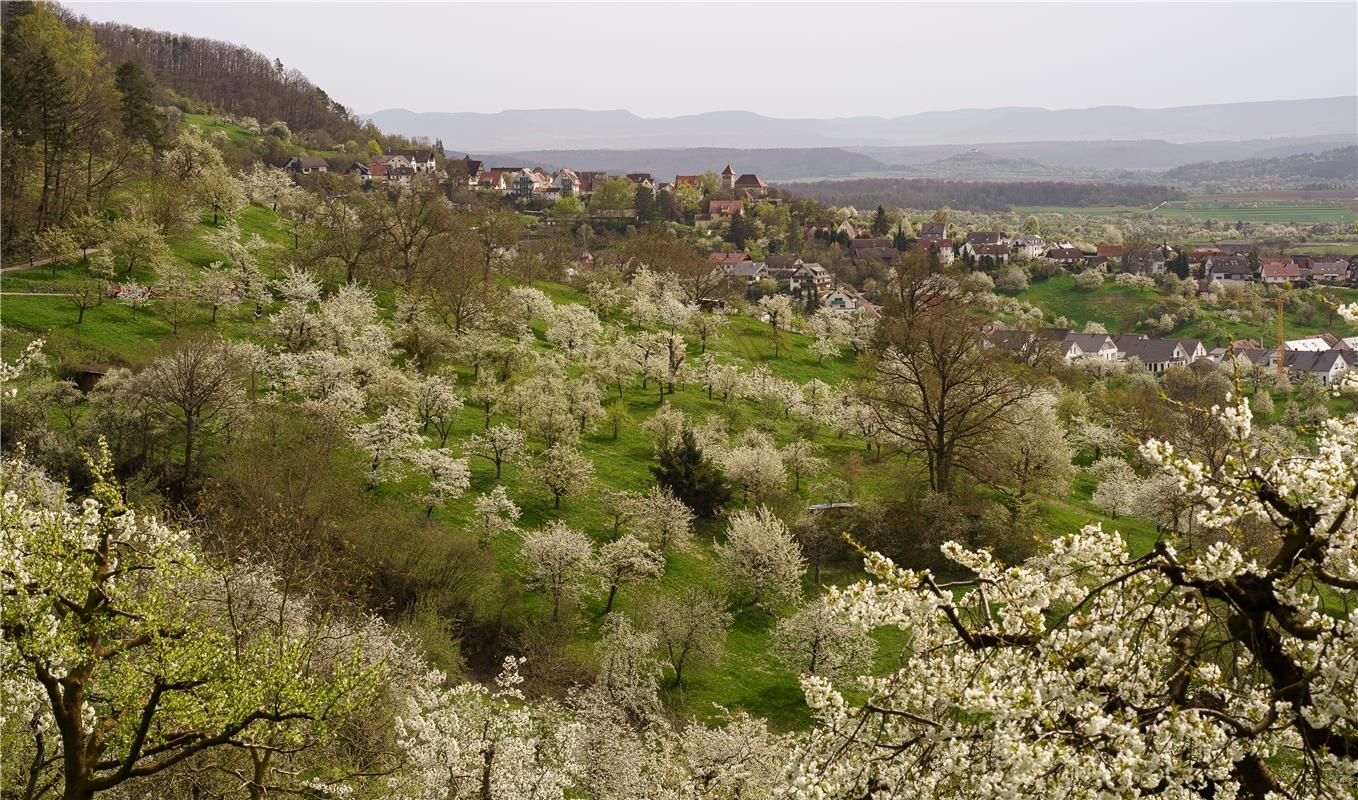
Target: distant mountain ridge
{"points": [[576, 129]]}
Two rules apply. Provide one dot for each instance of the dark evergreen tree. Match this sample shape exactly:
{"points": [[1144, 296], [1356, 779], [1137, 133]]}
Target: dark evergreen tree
{"points": [[643, 201], [742, 230], [1179, 265], [141, 120], [881, 225], [900, 241], [692, 476]]}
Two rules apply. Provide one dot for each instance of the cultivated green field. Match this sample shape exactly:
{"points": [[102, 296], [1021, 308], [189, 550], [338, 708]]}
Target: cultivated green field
{"points": [[1222, 208]]}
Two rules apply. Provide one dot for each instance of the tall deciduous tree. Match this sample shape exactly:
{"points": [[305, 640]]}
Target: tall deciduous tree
{"points": [[760, 555], [940, 394], [559, 560], [691, 628]]}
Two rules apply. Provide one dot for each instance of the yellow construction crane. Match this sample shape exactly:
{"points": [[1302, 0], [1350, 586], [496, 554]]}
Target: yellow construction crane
{"points": [[1282, 353]]}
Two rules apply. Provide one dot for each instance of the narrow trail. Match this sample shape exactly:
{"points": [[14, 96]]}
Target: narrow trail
{"points": [[41, 262]]}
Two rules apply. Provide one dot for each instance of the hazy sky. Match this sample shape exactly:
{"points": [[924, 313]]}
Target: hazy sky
{"points": [[783, 59]]}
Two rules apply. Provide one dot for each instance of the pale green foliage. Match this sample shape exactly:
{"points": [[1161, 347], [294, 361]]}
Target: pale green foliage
{"points": [[125, 651], [761, 556]]}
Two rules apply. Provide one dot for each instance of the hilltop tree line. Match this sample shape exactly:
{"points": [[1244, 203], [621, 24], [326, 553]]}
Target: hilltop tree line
{"points": [[988, 196], [230, 78]]}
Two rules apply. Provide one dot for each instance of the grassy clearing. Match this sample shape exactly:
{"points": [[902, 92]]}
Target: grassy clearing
{"points": [[1122, 308]]}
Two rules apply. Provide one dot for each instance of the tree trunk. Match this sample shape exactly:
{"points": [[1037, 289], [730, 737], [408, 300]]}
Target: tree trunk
{"points": [[612, 593]]}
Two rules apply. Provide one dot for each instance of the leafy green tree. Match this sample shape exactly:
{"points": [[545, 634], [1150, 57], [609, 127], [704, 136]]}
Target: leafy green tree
{"points": [[566, 208], [616, 194], [691, 476], [126, 653]]}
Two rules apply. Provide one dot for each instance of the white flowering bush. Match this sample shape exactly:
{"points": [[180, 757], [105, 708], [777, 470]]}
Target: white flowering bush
{"points": [[1095, 673]]}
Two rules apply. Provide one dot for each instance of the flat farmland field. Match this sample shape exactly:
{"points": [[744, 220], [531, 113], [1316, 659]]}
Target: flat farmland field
{"points": [[1284, 207]]}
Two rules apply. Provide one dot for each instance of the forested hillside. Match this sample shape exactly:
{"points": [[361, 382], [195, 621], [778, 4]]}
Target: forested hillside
{"points": [[990, 196], [232, 79], [1331, 168]]}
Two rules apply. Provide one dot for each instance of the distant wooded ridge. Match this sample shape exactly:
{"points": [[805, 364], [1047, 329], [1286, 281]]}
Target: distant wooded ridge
{"points": [[979, 196], [575, 129]]}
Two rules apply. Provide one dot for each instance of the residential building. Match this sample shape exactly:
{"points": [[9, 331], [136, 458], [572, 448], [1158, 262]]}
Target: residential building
{"points": [[748, 271], [811, 276], [1334, 271], [1329, 365], [751, 185], [1275, 272], [1112, 252], [1156, 355], [986, 237], [783, 266], [1229, 269], [997, 253], [933, 232], [305, 165], [1029, 246], [1065, 255], [419, 160], [844, 300], [566, 184]]}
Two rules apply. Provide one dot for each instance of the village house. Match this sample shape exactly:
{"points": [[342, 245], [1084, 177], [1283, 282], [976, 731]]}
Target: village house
{"points": [[941, 248], [1275, 272], [305, 165], [694, 181], [748, 271], [1329, 365], [810, 276], [1112, 252], [1156, 355], [718, 212], [1312, 344], [845, 301], [783, 265], [933, 232], [986, 237], [751, 185], [997, 253], [1334, 271], [464, 171], [1234, 270], [1029, 246], [495, 180], [723, 259], [418, 160], [566, 184], [1065, 255], [1098, 346]]}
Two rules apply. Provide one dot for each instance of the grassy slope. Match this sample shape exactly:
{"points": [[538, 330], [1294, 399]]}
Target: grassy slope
{"points": [[747, 678], [1121, 308]]}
